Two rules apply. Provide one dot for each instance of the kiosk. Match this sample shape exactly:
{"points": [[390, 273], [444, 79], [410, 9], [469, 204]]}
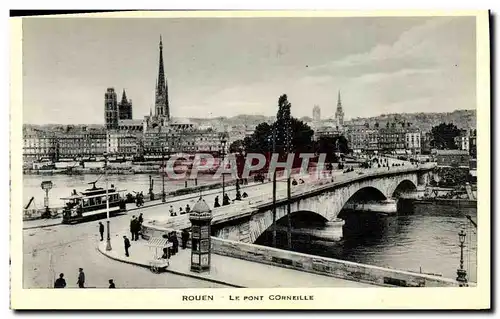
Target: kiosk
{"points": [[200, 217]]}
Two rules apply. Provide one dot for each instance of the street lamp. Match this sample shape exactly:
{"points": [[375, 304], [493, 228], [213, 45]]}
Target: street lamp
{"points": [[163, 195], [108, 235], [461, 272], [223, 142]]}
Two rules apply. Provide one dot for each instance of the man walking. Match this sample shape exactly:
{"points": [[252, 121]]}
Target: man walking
{"points": [[101, 230], [111, 283], [137, 229], [60, 282], [81, 278], [126, 243], [132, 227]]}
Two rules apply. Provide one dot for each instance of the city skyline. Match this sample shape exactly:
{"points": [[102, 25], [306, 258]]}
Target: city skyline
{"points": [[393, 64]]}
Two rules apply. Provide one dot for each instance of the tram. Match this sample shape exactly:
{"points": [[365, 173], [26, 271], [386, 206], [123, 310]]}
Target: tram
{"points": [[91, 204]]}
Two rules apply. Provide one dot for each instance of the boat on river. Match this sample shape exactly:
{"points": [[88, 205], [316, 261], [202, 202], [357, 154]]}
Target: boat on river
{"points": [[91, 204]]}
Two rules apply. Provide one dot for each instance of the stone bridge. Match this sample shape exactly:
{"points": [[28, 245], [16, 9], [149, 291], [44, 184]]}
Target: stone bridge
{"points": [[320, 202]]}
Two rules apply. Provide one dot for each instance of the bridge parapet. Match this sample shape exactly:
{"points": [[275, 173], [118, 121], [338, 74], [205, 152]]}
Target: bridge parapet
{"points": [[314, 264]]}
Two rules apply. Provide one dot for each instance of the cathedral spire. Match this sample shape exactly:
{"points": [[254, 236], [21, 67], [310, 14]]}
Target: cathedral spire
{"points": [[339, 102], [161, 99], [124, 97], [161, 73]]}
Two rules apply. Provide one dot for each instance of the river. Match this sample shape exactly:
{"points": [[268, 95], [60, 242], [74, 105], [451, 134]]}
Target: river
{"points": [[424, 241], [64, 184]]}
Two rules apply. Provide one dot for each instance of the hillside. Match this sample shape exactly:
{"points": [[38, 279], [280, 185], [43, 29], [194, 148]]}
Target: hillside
{"points": [[463, 119]]}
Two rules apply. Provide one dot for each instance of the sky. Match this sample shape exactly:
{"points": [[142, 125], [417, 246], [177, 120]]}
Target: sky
{"points": [[230, 66]]}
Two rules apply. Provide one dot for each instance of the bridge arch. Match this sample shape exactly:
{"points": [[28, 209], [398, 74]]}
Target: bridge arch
{"points": [[299, 219], [367, 193], [403, 187]]}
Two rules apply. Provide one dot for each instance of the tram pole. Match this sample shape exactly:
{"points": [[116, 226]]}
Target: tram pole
{"points": [[108, 235], [163, 195], [274, 184]]}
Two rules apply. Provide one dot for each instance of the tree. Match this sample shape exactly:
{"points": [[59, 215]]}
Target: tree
{"points": [[443, 136], [326, 145], [342, 144], [236, 146], [261, 141]]}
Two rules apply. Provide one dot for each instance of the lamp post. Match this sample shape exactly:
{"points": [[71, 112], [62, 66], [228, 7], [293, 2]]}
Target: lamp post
{"points": [[108, 235], [163, 195], [461, 272], [223, 142], [46, 186], [274, 185]]}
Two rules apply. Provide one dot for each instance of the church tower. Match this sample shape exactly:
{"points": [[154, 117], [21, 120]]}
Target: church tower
{"points": [[161, 99], [339, 114], [125, 108]]}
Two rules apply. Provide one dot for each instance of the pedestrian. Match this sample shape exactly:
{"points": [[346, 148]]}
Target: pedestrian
{"points": [[225, 200], [81, 278], [171, 210], [111, 283], [180, 211], [60, 282], [141, 219], [132, 227], [101, 230], [141, 202], [126, 243], [137, 229], [175, 242], [245, 195], [171, 240], [188, 209], [184, 238], [216, 203]]}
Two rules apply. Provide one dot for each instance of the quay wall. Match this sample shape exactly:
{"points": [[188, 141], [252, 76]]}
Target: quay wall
{"points": [[313, 264]]}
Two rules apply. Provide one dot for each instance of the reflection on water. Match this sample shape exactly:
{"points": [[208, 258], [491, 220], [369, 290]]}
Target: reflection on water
{"points": [[427, 240]]}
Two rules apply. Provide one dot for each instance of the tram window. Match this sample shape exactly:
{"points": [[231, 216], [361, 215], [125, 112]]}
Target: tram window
{"points": [[85, 202], [97, 200], [91, 202]]}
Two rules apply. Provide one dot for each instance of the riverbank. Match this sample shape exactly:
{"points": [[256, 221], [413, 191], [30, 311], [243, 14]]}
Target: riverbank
{"points": [[438, 206], [172, 197]]}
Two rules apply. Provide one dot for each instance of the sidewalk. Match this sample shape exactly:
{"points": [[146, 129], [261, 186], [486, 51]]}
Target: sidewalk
{"points": [[226, 270]]}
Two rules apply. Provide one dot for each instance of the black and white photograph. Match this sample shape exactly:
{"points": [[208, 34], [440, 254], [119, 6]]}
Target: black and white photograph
{"points": [[252, 152]]}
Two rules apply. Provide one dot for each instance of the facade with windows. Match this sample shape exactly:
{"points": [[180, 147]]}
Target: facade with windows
{"points": [[39, 145], [122, 144], [413, 141], [454, 158], [82, 145], [362, 138]]}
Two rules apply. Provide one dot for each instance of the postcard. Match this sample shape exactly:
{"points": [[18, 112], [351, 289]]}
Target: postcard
{"points": [[250, 160]]}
